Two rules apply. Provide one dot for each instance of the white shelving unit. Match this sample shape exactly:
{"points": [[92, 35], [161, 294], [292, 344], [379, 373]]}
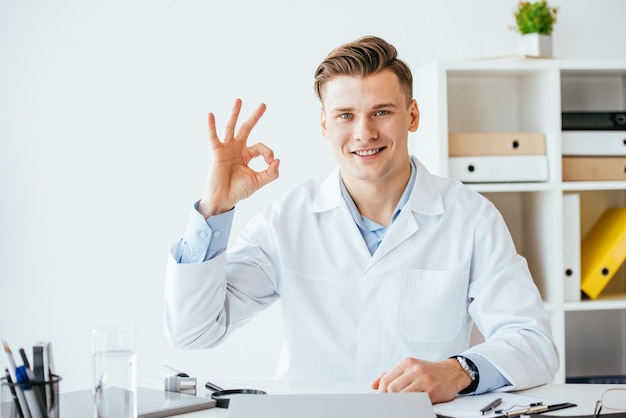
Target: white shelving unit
{"points": [[528, 96]]}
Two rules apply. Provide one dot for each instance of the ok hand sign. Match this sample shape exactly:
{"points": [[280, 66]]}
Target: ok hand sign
{"points": [[230, 179]]}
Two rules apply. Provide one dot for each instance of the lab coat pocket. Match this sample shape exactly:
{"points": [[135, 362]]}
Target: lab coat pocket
{"points": [[432, 304]]}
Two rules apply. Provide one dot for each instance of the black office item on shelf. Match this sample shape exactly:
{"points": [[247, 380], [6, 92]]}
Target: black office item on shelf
{"points": [[594, 121], [598, 380]]}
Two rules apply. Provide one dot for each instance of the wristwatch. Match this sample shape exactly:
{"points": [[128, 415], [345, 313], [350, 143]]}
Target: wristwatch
{"points": [[470, 368]]}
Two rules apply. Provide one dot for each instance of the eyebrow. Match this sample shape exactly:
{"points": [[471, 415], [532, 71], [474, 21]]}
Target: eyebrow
{"points": [[375, 107]]}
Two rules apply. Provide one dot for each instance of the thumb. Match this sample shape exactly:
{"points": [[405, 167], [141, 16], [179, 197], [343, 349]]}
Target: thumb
{"points": [[268, 175], [376, 383]]}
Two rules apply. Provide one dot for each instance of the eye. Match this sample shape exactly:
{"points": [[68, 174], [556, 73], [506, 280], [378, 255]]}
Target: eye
{"points": [[345, 116], [381, 113]]}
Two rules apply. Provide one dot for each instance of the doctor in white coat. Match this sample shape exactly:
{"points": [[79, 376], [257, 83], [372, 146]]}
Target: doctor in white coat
{"points": [[382, 268]]}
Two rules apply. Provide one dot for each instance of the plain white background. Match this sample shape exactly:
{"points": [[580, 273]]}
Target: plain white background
{"points": [[103, 143]]}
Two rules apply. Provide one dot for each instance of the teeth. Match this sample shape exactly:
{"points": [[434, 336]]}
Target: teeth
{"points": [[368, 152]]}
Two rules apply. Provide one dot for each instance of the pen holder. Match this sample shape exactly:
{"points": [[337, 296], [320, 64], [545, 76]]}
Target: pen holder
{"points": [[40, 398]]}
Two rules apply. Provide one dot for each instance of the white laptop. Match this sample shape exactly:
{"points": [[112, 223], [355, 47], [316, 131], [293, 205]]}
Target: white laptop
{"points": [[361, 405]]}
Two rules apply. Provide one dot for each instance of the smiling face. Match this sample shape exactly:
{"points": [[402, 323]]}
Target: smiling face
{"points": [[367, 121]]}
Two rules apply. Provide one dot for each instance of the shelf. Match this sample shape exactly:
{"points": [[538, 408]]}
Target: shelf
{"points": [[593, 185], [603, 303], [608, 302], [511, 94], [510, 187]]}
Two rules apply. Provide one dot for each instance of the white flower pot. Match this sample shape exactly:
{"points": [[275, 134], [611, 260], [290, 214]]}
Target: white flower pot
{"points": [[535, 45]]}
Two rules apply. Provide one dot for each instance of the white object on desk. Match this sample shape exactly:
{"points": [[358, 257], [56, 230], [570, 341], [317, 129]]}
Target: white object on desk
{"points": [[362, 405]]}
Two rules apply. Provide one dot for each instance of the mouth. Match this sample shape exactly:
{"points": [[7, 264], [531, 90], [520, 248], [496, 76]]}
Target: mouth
{"points": [[368, 152]]}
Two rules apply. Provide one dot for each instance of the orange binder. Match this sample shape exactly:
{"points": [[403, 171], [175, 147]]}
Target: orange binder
{"points": [[603, 251]]}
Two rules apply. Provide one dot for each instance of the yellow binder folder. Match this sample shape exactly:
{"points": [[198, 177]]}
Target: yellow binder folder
{"points": [[603, 251]]}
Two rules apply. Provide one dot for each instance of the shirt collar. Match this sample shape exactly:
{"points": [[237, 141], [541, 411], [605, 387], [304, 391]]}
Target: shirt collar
{"points": [[367, 224], [424, 192]]}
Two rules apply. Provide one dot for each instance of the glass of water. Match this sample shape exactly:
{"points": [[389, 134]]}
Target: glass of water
{"points": [[114, 372]]}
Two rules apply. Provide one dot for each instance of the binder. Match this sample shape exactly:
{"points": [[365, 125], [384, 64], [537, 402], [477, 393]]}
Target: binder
{"points": [[588, 143], [603, 251], [488, 169], [571, 247], [496, 143], [594, 168]]}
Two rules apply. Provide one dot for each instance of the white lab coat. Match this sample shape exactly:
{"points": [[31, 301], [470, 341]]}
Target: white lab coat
{"points": [[447, 260]]}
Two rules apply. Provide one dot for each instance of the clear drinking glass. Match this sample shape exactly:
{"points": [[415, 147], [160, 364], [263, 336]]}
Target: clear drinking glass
{"points": [[114, 372]]}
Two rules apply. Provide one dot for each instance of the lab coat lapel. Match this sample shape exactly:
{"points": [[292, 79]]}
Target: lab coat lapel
{"points": [[337, 223], [425, 199], [335, 218], [403, 227]]}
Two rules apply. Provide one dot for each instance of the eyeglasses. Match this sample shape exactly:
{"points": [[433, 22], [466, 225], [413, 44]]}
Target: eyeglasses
{"points": [[612, 399]]}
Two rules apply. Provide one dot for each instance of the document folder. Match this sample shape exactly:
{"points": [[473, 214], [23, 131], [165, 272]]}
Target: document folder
{"points": [[594, 168], [586, 143], [496, 143], [571, 246], [603, 251], [494, 169]]}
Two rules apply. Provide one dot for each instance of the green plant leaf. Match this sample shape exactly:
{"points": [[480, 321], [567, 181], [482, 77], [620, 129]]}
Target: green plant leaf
{"points": [[537, 17]]}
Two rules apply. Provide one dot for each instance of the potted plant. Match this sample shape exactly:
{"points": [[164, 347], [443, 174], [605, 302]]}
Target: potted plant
{"points": [[535, 22]]}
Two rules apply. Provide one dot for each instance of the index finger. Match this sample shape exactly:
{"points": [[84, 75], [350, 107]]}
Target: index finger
{"points": [[229, 129]]}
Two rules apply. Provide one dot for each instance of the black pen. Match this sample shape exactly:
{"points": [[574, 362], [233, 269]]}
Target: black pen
{"points": [[14, 394], [491, 406]]}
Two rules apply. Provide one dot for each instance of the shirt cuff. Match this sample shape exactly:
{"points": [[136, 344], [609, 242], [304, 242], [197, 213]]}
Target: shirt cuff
{"points": [[490, 376], [204, 239]]}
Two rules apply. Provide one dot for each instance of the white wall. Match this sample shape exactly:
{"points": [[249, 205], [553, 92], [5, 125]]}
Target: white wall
{"points": [[102, 142]]}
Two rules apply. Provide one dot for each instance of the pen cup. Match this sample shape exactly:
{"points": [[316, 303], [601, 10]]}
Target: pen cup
{"points": [[114, 372], [35, 399]]}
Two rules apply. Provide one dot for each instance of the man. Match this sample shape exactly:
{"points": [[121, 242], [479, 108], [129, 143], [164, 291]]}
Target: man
{"points": [[381, 268]]}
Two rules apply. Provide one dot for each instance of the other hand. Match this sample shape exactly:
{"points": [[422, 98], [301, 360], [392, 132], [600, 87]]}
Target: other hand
{"points": [[441, 380]]}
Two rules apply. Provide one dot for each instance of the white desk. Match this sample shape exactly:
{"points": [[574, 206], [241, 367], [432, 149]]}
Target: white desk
{"points": [[584, 395]]}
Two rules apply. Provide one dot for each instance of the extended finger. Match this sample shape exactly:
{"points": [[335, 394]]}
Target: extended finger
{"points": [[214, 140], [229, 129], [399, 383], [250, 123]]}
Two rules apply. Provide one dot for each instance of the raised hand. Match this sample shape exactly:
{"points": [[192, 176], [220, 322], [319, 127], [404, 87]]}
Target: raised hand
{"points": [[230, 179]]}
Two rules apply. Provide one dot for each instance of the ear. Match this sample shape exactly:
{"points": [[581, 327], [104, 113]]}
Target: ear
{"points": [[414, 113], [323, 123]]}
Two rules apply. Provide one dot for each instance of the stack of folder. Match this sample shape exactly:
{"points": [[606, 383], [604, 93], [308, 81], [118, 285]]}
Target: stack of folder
{"points": [[603, 251], [492, 157]]}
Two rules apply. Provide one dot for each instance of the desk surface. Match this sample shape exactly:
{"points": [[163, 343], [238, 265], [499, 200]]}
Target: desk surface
{"points": [[584, 395]]}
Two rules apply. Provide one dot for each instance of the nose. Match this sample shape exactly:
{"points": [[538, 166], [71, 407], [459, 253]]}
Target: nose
{"points": [[365, 130]]}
